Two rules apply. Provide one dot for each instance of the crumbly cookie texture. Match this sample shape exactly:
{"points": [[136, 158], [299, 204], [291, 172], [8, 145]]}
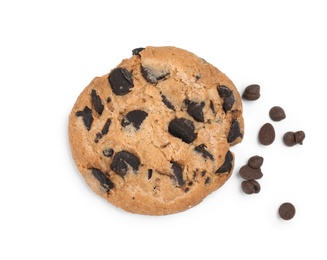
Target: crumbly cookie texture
{"points": [[153, 136]]}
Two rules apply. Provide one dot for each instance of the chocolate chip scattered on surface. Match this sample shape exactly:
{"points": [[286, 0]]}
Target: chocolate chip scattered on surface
{"points": [[299, 137], [248, 173], [251, 92], [153, 135], [255, 162], [289, 138], [286, 211], [267, 134], [251, 172], [292, 138], [250, 186], [277, 113]]}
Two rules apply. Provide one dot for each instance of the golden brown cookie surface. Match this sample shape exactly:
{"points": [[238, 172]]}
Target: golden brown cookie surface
{"points": [[153, 135]]}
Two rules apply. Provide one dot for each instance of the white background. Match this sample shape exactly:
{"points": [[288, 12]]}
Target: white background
{"points": [[50, 50]]}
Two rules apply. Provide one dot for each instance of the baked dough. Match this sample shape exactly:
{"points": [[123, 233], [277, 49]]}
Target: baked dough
{"points": [[153, 136]]}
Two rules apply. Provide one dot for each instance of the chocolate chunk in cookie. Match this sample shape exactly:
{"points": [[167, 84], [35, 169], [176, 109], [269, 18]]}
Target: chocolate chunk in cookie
{"points": [[104, 180], [227, 165], [105, 128], [108, 152], [135, 117], [228, 98], [203, 151], [234, 132], [178, 173], [154, 75], [86, 114], [167, 102], [104, 131], [195, 110], [122, 161], [182, 128], [121, 81], [97, 103], [137, 51], [150, 171]]}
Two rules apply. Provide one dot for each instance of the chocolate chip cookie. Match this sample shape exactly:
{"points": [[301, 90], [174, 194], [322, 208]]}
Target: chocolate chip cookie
{"points": [[153, 135]]}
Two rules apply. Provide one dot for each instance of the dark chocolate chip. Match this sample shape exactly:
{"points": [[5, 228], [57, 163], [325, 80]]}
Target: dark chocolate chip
{"points": [[137, 51], [286, 211], [154, 75], [178, 172], [292, 138], [248, 173], [224, 91], [299, 137], [135, 117], [257, 186], [276, 113], [121, 81], [97, 103], [227, 165], [228, 98], [234, 132], [228, 103], [267, 134], [251, 92], [250, 186], [104, 131], [98, 136], [247, 187], [108, 152], [105, 128], [202, 149], [87, 117], [195, 110], [122, 160], [255, 162], [167, 102], [103, 179], [150, 171], [289, 138], [207, 181], [182, 128], [108, 99]]}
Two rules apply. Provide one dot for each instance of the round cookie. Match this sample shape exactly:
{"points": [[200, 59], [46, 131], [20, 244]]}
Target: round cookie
{"points": [[153, 135]]}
